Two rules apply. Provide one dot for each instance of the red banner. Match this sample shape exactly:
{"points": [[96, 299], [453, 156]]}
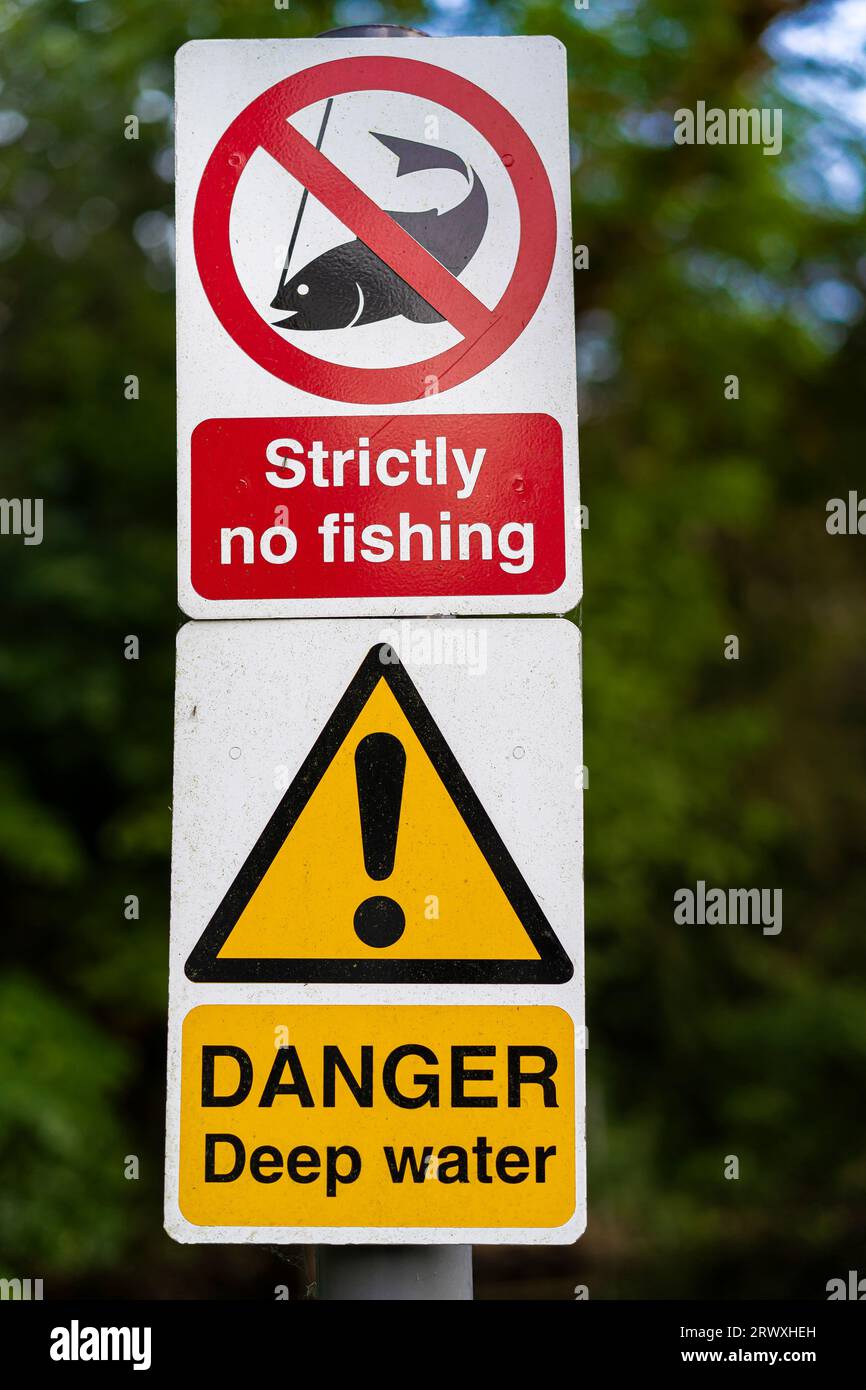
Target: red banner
{"points": [[372, 506]]}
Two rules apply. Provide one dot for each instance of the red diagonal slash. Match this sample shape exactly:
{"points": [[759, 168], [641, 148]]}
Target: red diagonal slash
{"points": [[385, 237]]}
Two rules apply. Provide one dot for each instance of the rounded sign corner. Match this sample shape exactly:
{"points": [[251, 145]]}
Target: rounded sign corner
{"points": [[190, 601], [175, 1224]]}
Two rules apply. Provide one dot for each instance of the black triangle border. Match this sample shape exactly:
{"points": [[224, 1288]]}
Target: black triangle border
{"points": [[553, 966]]}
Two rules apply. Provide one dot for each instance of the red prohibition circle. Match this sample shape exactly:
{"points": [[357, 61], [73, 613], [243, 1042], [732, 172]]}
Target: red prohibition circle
{"points": [[486, 333]]}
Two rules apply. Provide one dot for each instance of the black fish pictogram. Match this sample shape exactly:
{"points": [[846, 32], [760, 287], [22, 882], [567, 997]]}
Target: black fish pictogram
{"points": [[350, 285]]}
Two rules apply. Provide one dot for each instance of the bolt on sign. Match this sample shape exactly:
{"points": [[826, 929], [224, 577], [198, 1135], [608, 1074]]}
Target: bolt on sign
{"points": [[377, 409], [376, 986]]}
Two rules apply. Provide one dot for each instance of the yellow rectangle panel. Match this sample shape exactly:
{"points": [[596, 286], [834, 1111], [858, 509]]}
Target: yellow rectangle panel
{"points": [[362, 1116]]}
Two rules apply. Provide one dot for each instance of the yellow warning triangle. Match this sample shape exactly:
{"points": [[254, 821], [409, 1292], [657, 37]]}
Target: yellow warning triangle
{"points": [[379, 864]]}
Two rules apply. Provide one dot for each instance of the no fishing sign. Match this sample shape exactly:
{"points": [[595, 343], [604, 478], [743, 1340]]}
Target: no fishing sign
{"points": [[377, 409]]}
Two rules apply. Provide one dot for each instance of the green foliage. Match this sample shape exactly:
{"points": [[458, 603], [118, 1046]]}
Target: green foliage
{"points": [[60, 1145], [706, 519]]}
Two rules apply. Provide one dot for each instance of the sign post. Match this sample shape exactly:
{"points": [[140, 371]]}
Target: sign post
{"points": [[395, 1273], [375, 1027]]}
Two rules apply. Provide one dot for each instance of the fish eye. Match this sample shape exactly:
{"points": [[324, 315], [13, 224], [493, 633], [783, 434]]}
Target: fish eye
{"points": [[303, 289]]}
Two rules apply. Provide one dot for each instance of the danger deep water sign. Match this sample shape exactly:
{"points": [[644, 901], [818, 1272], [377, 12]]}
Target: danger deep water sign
{"points": [[376, 984], [376, 372]]}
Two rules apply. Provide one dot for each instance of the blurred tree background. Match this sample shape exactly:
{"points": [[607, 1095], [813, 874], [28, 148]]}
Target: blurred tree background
{"points": [[706, 518]]}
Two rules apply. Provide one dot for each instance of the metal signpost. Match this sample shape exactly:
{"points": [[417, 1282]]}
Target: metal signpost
{"points": [[376, 985]]}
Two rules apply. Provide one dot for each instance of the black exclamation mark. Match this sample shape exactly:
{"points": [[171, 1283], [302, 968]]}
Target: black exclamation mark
{"points": [[380, 767]]}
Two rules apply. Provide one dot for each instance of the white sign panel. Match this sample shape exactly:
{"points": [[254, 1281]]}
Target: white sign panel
{"points": [[376, 979], [377, 408]]}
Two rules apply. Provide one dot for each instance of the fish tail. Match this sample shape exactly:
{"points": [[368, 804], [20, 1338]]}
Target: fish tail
{"points": [[415, 156]]}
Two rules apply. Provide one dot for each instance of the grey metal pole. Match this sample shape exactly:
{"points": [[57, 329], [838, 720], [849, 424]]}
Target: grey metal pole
{"points": [[392, 1273], [373, 31], [395, 1273]]}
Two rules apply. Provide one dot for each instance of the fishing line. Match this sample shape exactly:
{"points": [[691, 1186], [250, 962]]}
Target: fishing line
{"points": [[303, 202]]}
